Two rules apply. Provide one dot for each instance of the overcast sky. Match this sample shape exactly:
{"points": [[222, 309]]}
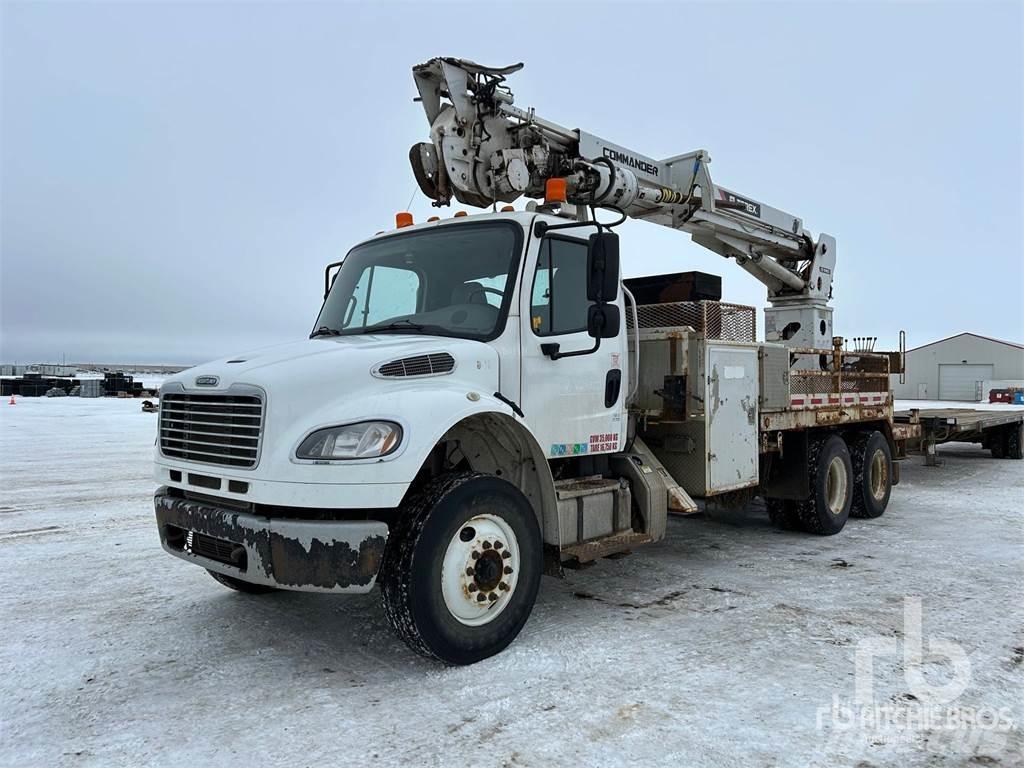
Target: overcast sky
{"points": [[174, 177]]}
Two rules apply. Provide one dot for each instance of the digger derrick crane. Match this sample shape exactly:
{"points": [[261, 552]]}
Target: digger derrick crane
{"points": [[483, 149]]}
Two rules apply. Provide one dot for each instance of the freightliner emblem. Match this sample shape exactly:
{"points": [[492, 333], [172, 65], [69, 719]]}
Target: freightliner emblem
{"points": [[207, 381]]}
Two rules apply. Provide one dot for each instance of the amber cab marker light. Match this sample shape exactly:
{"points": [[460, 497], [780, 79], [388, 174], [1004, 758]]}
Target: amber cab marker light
{"points": [[433, 218], [460, 214], [403, 219], [507, 209], [554, 191]]}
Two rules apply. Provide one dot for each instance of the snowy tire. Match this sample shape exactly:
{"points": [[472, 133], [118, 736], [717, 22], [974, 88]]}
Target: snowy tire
{"points": [[872, 475], [241, 586], [462, 568], [830, 476]]}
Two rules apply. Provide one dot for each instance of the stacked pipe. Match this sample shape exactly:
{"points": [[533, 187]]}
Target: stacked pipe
{"points": [[864, 343]]}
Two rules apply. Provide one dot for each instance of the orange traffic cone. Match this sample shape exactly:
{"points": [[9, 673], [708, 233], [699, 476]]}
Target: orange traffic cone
{"points": [[12, 401]]}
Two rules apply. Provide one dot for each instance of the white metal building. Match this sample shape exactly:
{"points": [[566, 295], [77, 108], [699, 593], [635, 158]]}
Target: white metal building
{"points": [[962, 367]]}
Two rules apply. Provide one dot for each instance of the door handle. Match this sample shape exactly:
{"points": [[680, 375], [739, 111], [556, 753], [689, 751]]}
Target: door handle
{"points": [[612, 386]]}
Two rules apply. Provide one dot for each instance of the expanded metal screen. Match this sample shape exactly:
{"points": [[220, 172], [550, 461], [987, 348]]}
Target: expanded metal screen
{"points": [[858, 373], [713, 319]]}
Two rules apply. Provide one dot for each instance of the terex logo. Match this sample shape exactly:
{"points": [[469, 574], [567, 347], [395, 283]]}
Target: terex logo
{"points": [[749, 206], [633, 162]]}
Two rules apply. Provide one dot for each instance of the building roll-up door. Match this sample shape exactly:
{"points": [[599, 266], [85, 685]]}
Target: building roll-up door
{"points": [[962, 382]]}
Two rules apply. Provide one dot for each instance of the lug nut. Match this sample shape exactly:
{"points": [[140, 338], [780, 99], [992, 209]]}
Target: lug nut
{"points": [[508, 569], [498, 545], [503, 587], [473, 587], [475, 555], [492, 597], [470, 571], [506, 555], [486, 545], [481, 598]]}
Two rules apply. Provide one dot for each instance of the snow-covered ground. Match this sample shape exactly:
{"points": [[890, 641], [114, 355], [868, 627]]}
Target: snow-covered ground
{"points": [[727, 644]]}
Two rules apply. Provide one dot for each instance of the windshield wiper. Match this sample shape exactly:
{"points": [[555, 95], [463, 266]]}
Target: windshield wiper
{"points": [[404, 324], [323, 330]]}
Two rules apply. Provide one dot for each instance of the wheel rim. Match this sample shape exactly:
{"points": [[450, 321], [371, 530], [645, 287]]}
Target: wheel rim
{"points": [[835, 486], [480, 570], [879, 477]]}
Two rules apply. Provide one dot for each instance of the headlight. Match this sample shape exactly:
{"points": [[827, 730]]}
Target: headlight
{"points": [[366, 440]]}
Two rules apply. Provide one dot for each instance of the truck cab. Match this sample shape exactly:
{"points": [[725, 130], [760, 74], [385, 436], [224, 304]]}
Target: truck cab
{"points": [[469, 357]]}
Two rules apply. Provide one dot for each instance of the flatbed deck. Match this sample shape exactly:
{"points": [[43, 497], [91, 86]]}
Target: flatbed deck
{"points": [[1002, 431], [959, 418]]}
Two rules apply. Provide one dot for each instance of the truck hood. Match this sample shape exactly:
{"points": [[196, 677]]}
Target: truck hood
{"points": [[338, 364], [315, 383]]}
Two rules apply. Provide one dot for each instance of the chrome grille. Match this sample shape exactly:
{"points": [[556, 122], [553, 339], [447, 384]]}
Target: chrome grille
{"points": [[211, 429], [421, 365]]}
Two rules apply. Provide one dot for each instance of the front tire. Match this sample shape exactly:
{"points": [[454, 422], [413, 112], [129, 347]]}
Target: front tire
{"points": [[831, 481], [872, 475], [462, 568]]}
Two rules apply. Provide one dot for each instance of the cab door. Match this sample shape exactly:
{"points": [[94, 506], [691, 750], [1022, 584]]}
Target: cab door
{"points": [[574, 405]]}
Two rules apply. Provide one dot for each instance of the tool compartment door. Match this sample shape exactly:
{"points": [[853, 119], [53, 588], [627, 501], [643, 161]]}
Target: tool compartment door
{"points": [[731, 417]]}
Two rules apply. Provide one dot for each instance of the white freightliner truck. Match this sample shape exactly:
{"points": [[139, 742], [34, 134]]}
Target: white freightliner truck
{"points": [[483, 399]]}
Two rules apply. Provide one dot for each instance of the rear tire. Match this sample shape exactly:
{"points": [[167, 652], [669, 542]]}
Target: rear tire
{"points": [[871, 458], [1013, 445], [241, 586], [463, 537], [997, 444], [830, 477]]}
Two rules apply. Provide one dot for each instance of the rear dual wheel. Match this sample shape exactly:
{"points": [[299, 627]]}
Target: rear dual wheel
{"points": [[844, 480], [830, 471], [1014, 443], [1007, 442], [872, 474], [830, 478]]}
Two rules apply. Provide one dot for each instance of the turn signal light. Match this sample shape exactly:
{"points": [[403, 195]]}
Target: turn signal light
{"points": [[554, 191], [403, 219]]}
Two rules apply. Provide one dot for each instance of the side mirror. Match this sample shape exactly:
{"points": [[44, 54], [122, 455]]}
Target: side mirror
{"points": [[603, 267], [603, 321]]}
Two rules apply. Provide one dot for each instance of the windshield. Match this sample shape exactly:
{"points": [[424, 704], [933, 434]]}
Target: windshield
{"points": [[447, 281]]}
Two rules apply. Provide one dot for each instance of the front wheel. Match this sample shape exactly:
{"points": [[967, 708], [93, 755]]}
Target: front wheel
{"points": [[462, 568]]}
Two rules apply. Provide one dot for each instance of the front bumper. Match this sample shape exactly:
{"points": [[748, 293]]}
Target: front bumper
{"points": [[301, 555]]}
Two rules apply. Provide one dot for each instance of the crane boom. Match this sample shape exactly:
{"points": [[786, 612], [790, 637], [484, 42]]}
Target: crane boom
{"points": [[484, 149]]}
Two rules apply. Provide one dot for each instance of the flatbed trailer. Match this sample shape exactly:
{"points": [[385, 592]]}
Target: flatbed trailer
{"points": [[1002, 432]]}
